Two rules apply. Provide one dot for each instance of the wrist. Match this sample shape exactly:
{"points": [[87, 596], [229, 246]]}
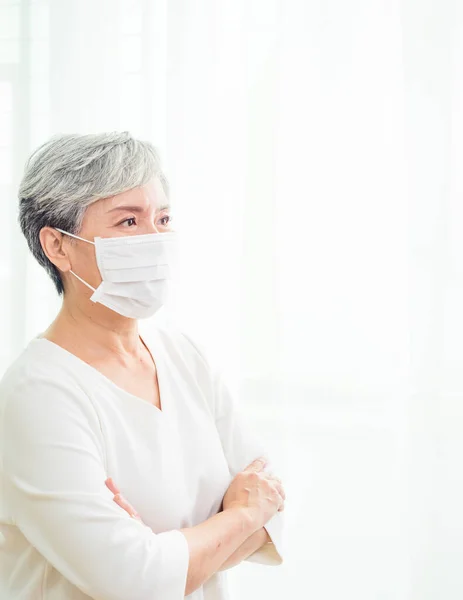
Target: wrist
{"points": [[247, 518]]}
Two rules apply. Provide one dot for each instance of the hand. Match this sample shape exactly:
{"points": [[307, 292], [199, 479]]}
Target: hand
{"points": [[259, 493], [121, 501]]}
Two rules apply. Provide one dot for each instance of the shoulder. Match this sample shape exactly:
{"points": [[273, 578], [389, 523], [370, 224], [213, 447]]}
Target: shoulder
{"points": [[41, 381], [186, 359], [178, 344], [40, 360]]}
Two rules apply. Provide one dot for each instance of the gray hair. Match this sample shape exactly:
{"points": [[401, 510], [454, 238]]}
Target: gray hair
{"points": [[69, 172]]}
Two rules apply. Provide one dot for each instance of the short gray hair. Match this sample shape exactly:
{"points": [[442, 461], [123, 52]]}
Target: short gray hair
{"points": [[69, 172]]}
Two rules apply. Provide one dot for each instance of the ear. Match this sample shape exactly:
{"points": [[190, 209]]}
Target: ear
{"points": [[54, 247]]}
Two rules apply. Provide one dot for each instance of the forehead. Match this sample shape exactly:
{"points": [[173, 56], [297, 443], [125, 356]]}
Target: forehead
{"points": [[148, 197]]}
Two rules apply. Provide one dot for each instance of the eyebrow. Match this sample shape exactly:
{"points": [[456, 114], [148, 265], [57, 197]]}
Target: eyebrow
{"points": [[137, 209]]}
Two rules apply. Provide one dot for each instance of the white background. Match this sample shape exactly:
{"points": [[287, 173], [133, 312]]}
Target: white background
{"points": [[315, 153]]}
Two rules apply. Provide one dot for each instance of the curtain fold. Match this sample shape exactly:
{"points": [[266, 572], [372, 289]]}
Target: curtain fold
{"points": [[314, 152]]}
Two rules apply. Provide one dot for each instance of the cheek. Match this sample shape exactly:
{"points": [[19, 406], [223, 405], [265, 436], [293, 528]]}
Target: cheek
{"points": [[83, 263]]}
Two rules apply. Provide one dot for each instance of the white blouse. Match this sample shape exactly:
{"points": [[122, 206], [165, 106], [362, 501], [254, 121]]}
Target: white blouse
{"points": [[65, 428]]}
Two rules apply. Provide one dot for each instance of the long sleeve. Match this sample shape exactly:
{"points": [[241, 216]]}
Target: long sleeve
{"points": [[53, 477], [241, 446]]}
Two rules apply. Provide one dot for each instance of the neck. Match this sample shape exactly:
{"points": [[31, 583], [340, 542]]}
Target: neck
{"points": [[105, 329]]}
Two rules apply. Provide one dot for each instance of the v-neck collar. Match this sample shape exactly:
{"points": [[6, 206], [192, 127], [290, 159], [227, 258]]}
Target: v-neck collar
{"points": [[156, 356]]}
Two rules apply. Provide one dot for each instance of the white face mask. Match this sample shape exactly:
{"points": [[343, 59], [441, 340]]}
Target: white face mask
{"points": [[135, 272]]}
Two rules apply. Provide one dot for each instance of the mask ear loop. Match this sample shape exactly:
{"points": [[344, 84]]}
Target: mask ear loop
{"points": [[83, 240], [74, 236], [84, 282]]}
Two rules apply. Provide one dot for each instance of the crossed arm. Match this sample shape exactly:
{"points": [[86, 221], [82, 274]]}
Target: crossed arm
{"points": [[255, 541], [54, 424], [251, 545]]}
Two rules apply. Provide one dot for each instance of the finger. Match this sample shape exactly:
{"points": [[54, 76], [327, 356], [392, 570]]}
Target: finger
{"points": [[112, 486], [122, 502], [257, 465], [276, 482], [280, 489], [272, 477]]}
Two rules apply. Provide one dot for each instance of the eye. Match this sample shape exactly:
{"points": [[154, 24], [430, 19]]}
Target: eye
{"points": [[166, 220], [129, 222]]}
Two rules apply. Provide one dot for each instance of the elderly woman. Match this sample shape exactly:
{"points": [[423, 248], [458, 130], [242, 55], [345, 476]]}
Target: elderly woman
{"points": [[126, 471]]}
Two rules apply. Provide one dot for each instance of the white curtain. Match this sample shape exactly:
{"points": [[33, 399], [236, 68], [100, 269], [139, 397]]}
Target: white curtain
{"points": [[315, 152]]}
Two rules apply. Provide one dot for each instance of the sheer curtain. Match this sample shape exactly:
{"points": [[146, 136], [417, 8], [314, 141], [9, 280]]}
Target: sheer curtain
{"points": [[314, 151]]}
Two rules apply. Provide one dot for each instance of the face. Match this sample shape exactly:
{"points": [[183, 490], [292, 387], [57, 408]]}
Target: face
{"points": [[139, 211], [142, 210]]}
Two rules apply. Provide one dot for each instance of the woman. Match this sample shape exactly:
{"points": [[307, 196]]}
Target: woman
{"points": [[91, 408]]}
